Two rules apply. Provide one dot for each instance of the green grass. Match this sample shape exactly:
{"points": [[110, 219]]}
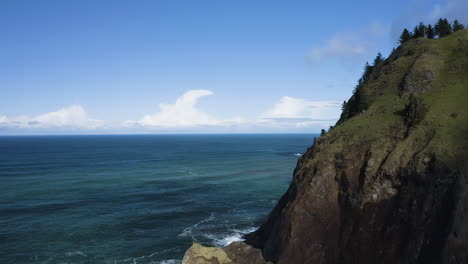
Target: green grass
{"points": [[444, 129]]}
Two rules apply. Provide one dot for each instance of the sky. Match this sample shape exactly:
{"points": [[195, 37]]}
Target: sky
{"points": [[173, 66]]}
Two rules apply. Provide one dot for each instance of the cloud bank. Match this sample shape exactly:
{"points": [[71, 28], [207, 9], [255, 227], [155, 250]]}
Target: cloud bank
{"points": [[287, 115], [292, 112], [71, 117]]}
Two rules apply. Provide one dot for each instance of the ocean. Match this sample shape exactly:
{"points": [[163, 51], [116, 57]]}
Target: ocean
{"points": [[136, 198]]}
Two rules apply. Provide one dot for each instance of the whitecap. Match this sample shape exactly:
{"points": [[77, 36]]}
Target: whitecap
{"points": [[189, 230], [297, 154], [226, 241], [169, 261], [75, 253], [145, 259], [233, 236]]}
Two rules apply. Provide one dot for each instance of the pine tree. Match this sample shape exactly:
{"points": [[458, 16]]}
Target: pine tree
{"points": [[322, 132], [415, 32], [405, 36], [367, 71], [378, 59], [443, 28], [447, 27], [430, 32], [343, 106], [457, 26], [419, 30]]}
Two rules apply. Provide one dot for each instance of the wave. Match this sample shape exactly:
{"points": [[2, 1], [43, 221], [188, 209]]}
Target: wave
{"points": [[145, 259], [169, 261], [75, 253], [189, 230], [223, 240], [297, 154], [225, 236]]}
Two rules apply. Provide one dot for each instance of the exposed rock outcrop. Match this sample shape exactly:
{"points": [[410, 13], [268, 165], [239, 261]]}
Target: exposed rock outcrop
{"points": [[235, 253], [198, 254]]}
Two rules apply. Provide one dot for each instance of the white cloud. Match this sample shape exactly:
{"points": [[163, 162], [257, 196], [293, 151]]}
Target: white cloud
{"points": [[298, 108], [298, 113], [68, 117], [351, 44], [183, 114], [289, 114], [3, 120]]}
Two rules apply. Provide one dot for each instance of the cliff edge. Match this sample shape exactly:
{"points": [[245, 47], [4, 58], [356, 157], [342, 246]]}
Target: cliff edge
{"points": [[389, 183]]}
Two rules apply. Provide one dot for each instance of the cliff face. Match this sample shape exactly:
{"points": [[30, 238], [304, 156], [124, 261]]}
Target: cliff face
{"points": [[389, 183]]}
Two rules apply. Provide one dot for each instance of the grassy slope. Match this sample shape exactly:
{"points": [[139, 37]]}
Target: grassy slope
{"points": [[382, 123]]}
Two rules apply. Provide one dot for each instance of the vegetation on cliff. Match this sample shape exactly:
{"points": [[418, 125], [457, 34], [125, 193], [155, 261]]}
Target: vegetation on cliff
{"points": [[442, 29], [388, 184]]}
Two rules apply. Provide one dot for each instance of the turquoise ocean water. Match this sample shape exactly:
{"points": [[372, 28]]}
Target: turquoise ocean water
{"points": [[136, 198]]}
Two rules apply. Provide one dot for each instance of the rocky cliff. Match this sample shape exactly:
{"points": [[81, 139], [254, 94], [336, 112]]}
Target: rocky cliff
{"points": [[389, 183]]}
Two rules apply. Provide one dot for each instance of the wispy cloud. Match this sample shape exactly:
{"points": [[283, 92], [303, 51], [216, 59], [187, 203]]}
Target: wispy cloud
{"points": [[298, 108], [301, 113], [341, 44], [451, 9], [353, 44], [422, 12]]}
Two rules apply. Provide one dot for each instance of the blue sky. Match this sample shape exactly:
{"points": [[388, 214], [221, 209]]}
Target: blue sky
{"points": [[176, 66]]}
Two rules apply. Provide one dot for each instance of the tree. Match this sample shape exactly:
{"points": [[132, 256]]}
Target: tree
{"points": [[415, 32], [430, 32], [343, 106], [419, 30], [378, 59], [405, 36], [443, 28], [367, 71], [457, 26], [322, 132]]}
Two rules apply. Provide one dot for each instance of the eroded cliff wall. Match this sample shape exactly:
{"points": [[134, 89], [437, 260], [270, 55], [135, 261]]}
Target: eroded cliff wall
{"points": [[389, 183]]}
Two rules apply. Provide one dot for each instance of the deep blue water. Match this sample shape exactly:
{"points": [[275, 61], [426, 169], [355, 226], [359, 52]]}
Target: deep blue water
{"points": [[136, 199]]}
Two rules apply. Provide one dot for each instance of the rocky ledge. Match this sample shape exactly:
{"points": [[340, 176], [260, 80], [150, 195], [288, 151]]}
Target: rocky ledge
{"points": [[235, 253]]}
